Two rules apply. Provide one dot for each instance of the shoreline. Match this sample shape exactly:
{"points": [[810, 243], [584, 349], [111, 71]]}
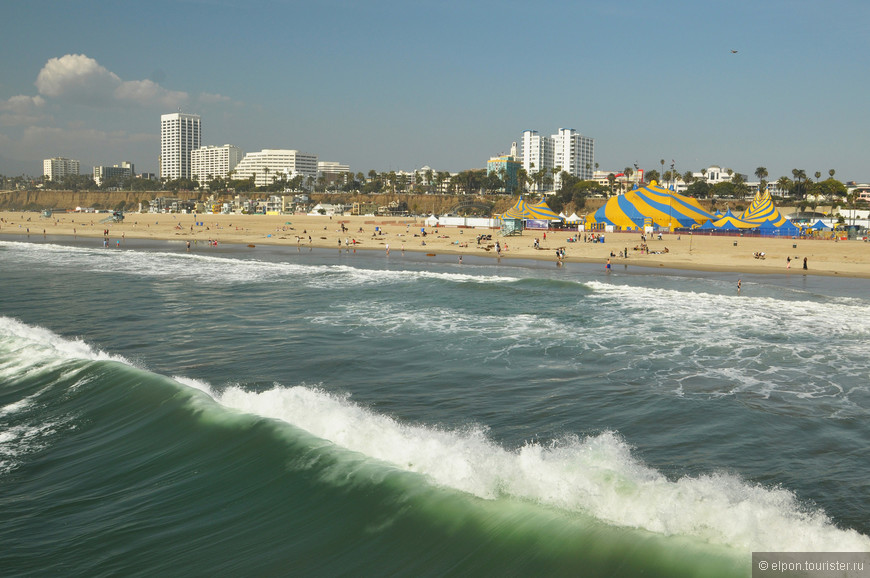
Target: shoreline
{"points": [[719, 254]]}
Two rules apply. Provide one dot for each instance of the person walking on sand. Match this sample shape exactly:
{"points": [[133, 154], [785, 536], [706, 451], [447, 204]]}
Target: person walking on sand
{"points": [[805, 263], [788, 262]]}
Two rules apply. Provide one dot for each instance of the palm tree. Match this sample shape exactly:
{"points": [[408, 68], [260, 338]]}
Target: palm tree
{"points": [[611, 178], [761, 173], [522, 180], [818, 176], [662, 161], [831, 172]]}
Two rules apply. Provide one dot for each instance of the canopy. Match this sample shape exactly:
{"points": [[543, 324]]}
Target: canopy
{"points": [[651, 204], [820, 226], [787, 229]]}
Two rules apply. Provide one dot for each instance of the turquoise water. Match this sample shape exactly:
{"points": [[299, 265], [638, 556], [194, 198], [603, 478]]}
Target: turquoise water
{"points": [[276, 411]]}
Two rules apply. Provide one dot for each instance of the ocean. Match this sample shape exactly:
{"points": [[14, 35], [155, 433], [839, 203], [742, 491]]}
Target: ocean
{"points": [[284, 411]]}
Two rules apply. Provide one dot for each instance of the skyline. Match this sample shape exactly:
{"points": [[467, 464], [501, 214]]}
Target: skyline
{"points": [[390, 85]]}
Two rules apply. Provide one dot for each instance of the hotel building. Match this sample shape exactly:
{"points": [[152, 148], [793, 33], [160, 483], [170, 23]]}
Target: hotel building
{"points": [[269, 164], [122, 171], [59, 167], [179, 135], [212, 162], [506, 167], [567, 151]]}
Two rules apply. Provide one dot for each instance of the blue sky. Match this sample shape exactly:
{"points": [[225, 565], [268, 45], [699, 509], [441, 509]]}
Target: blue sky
{"points": [[396, 85]]}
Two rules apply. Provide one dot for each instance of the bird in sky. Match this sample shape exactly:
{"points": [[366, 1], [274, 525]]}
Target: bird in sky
{"points": [[733, 52]]}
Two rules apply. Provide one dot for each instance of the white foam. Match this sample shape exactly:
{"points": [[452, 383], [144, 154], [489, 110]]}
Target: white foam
{"points": [[30, 348], [595, 475], [390, 317], [221, 270]]}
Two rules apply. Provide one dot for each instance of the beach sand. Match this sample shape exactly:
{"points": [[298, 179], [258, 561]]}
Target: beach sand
{"points": [[684, 251]]}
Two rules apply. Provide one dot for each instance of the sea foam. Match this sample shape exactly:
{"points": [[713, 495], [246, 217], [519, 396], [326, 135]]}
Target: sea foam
{"points": [[595, 475]]}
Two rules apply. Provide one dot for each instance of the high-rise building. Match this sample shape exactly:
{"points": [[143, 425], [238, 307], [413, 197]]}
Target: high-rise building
{"points": [[59, 167], [180, 134], [212, 162], [567, 151], [573, 153], [537, 152], [270, 164]]}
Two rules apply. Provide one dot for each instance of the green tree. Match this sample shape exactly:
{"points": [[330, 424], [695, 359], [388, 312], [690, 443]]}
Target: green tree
{"points": [[761, 174]]}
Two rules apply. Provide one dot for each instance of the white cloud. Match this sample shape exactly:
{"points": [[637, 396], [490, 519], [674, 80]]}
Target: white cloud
{"points": [[80, 79], [77, 77], [147, 92], [207, 97], [21, 110]]}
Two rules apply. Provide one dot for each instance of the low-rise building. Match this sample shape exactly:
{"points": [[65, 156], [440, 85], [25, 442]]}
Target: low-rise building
{"points": [[123, 171], [268, 165]]}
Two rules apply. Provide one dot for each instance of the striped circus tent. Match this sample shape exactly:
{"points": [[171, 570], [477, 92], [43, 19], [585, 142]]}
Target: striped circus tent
{"points": [[541, 210], [730, 221], [526, 211], [517, 211], [762, 211], [650, 204]]}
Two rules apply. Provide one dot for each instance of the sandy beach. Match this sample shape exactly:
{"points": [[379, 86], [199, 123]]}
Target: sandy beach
{"points": [[696, 251]]}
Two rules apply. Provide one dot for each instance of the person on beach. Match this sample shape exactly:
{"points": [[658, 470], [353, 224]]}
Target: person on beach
{"points": [[388, 248], [805, 263], [739, 283], [788, 262], [607, 266]]}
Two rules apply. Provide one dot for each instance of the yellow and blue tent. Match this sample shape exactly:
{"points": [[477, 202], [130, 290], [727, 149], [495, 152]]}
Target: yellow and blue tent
{"points": [[653, 203], [730, 221], [518, 211], [762, 211], [541, 211], [526, 211]]}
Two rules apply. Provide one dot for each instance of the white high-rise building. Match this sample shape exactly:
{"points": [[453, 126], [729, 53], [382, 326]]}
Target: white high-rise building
{"points": [[566, 150], [574, 154], [537, 152], [269, 164], [59, 167], [179, 135], [212, 162]]}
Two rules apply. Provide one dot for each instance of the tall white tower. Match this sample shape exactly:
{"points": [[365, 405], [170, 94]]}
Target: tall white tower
{"points": [[179, 134], [573, 153]]}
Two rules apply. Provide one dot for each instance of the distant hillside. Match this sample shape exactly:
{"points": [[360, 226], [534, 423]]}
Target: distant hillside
{"points": [[64, 200]]}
